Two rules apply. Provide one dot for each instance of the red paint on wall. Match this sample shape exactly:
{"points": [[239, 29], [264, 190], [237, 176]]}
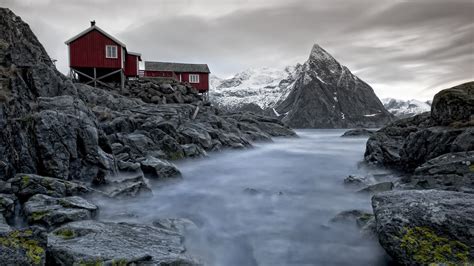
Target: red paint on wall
{"points": [[89, 51], [131, 65]]}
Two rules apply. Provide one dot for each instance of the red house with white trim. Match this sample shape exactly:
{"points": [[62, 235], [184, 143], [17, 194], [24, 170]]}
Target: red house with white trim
{"points": [[97, 57], [197, 75]]}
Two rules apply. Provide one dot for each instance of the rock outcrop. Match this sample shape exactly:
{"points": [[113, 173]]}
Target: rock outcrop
{"points": [[428, 226], [108, 243], [408, 143]]}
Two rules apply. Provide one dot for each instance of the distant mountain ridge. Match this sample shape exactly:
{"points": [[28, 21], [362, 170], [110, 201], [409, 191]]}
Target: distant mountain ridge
{"points": [[321, 93], [406, 108]]}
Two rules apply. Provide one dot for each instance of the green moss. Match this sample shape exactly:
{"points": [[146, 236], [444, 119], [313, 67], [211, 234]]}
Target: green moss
{"points": [[21, 240], [119, 262], [425, 247], [65, 233], [471, 167], [36, 216], [176, 155], [25, 180]]}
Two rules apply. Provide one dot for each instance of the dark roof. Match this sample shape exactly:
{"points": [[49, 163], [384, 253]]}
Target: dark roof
{"points": [[176, 67]]}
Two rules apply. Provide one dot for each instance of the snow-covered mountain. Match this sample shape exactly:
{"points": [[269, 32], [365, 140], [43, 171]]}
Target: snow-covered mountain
{"points": [[404, 109], [262, 87], [321, 93]]}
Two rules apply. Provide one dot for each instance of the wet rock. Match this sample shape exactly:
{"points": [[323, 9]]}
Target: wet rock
{"points": [[193, 151], [52, 212], [7, 205], [377, 188], [27, 185], [358, 181], [358, 132], [358, 217], [451, 171], [174, 224], [419, 227], [23, 247], [126, 186], [159, 169], [105, 242], [4, 227]]}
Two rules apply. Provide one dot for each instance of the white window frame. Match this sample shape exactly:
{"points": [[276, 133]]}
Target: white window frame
{"points": [[193, 78], [107, 55]]}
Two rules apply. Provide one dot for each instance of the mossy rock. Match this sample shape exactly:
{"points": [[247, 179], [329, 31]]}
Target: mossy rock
{"points": [[426, 247], [65, 233], [22, 245]]}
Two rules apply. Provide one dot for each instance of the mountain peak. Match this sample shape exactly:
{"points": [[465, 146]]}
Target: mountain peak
{"points": [[317, 52]]}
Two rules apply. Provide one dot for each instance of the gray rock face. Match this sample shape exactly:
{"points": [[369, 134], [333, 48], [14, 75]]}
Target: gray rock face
{"points": [[454, 105], [92, 242], [27, 185], [7, 205], [419, 227], [23, 247], [159, 169], [327, 95], [359, 132], [408, 143], [451, 171], [376, 188], [126, 186], [52, 212]]}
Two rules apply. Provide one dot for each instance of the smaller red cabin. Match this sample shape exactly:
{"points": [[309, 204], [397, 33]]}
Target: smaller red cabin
{"points": [[132, 63], [197, 75]]}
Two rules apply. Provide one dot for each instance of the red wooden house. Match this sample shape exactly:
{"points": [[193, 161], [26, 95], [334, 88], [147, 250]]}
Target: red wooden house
{"points": [[197, 75], [97, 57]]}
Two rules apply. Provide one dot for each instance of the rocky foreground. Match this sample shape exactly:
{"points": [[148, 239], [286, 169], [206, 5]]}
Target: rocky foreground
{"points": [[429, 217], [61, 142]]}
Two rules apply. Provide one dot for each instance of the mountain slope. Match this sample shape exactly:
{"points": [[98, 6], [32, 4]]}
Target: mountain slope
{"points": [[321, 93], [405, 109], [327, 95], [253, 89]]}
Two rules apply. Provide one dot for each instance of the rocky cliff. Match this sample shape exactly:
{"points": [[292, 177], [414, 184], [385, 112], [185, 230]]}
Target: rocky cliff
{"points": [[62, 141], [428, 219]]}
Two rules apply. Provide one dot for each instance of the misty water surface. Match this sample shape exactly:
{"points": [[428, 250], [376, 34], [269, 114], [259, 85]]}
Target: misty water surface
{"points": [[269, 205]]}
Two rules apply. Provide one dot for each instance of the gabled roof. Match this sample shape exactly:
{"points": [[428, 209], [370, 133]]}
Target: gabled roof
{"points": [[99, 30], [176, 67]]}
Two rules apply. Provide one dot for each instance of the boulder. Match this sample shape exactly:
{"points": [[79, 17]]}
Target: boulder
{"points": [[358, 181], [27, 185], [23, 247], [52, 212], [106, 242], [420, 227], [358, 132], [358, 217], [7, 206], [454, 105], [451, 171], [179, 225], [377, 188], [159, 169], [126, 185], [4, 227], [193, 150]]}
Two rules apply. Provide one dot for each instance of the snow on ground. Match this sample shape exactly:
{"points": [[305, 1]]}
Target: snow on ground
{"points": [[401, 108]]}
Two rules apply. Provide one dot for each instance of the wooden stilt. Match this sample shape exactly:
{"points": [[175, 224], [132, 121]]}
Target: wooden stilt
{"points": [[95, 77]]}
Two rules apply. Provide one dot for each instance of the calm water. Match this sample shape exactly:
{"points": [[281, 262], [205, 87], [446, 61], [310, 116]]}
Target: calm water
{"points": [[269, 205]]}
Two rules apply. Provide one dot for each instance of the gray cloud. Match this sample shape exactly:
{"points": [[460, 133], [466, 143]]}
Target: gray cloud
{"points": [[404, 49]]}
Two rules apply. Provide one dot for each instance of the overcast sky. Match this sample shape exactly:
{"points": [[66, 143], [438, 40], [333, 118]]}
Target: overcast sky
{"points": [[403, 49]]}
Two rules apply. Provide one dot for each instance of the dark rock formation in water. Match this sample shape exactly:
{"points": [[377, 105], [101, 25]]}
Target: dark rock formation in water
{"points": [[436, 150], [358, 132], [419, 227], [327, 95], [62, 141], [408, 143]]}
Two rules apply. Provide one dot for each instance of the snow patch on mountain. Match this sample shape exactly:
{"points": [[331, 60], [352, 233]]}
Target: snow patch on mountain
{"points": [[404, 109], [264, 87]]}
